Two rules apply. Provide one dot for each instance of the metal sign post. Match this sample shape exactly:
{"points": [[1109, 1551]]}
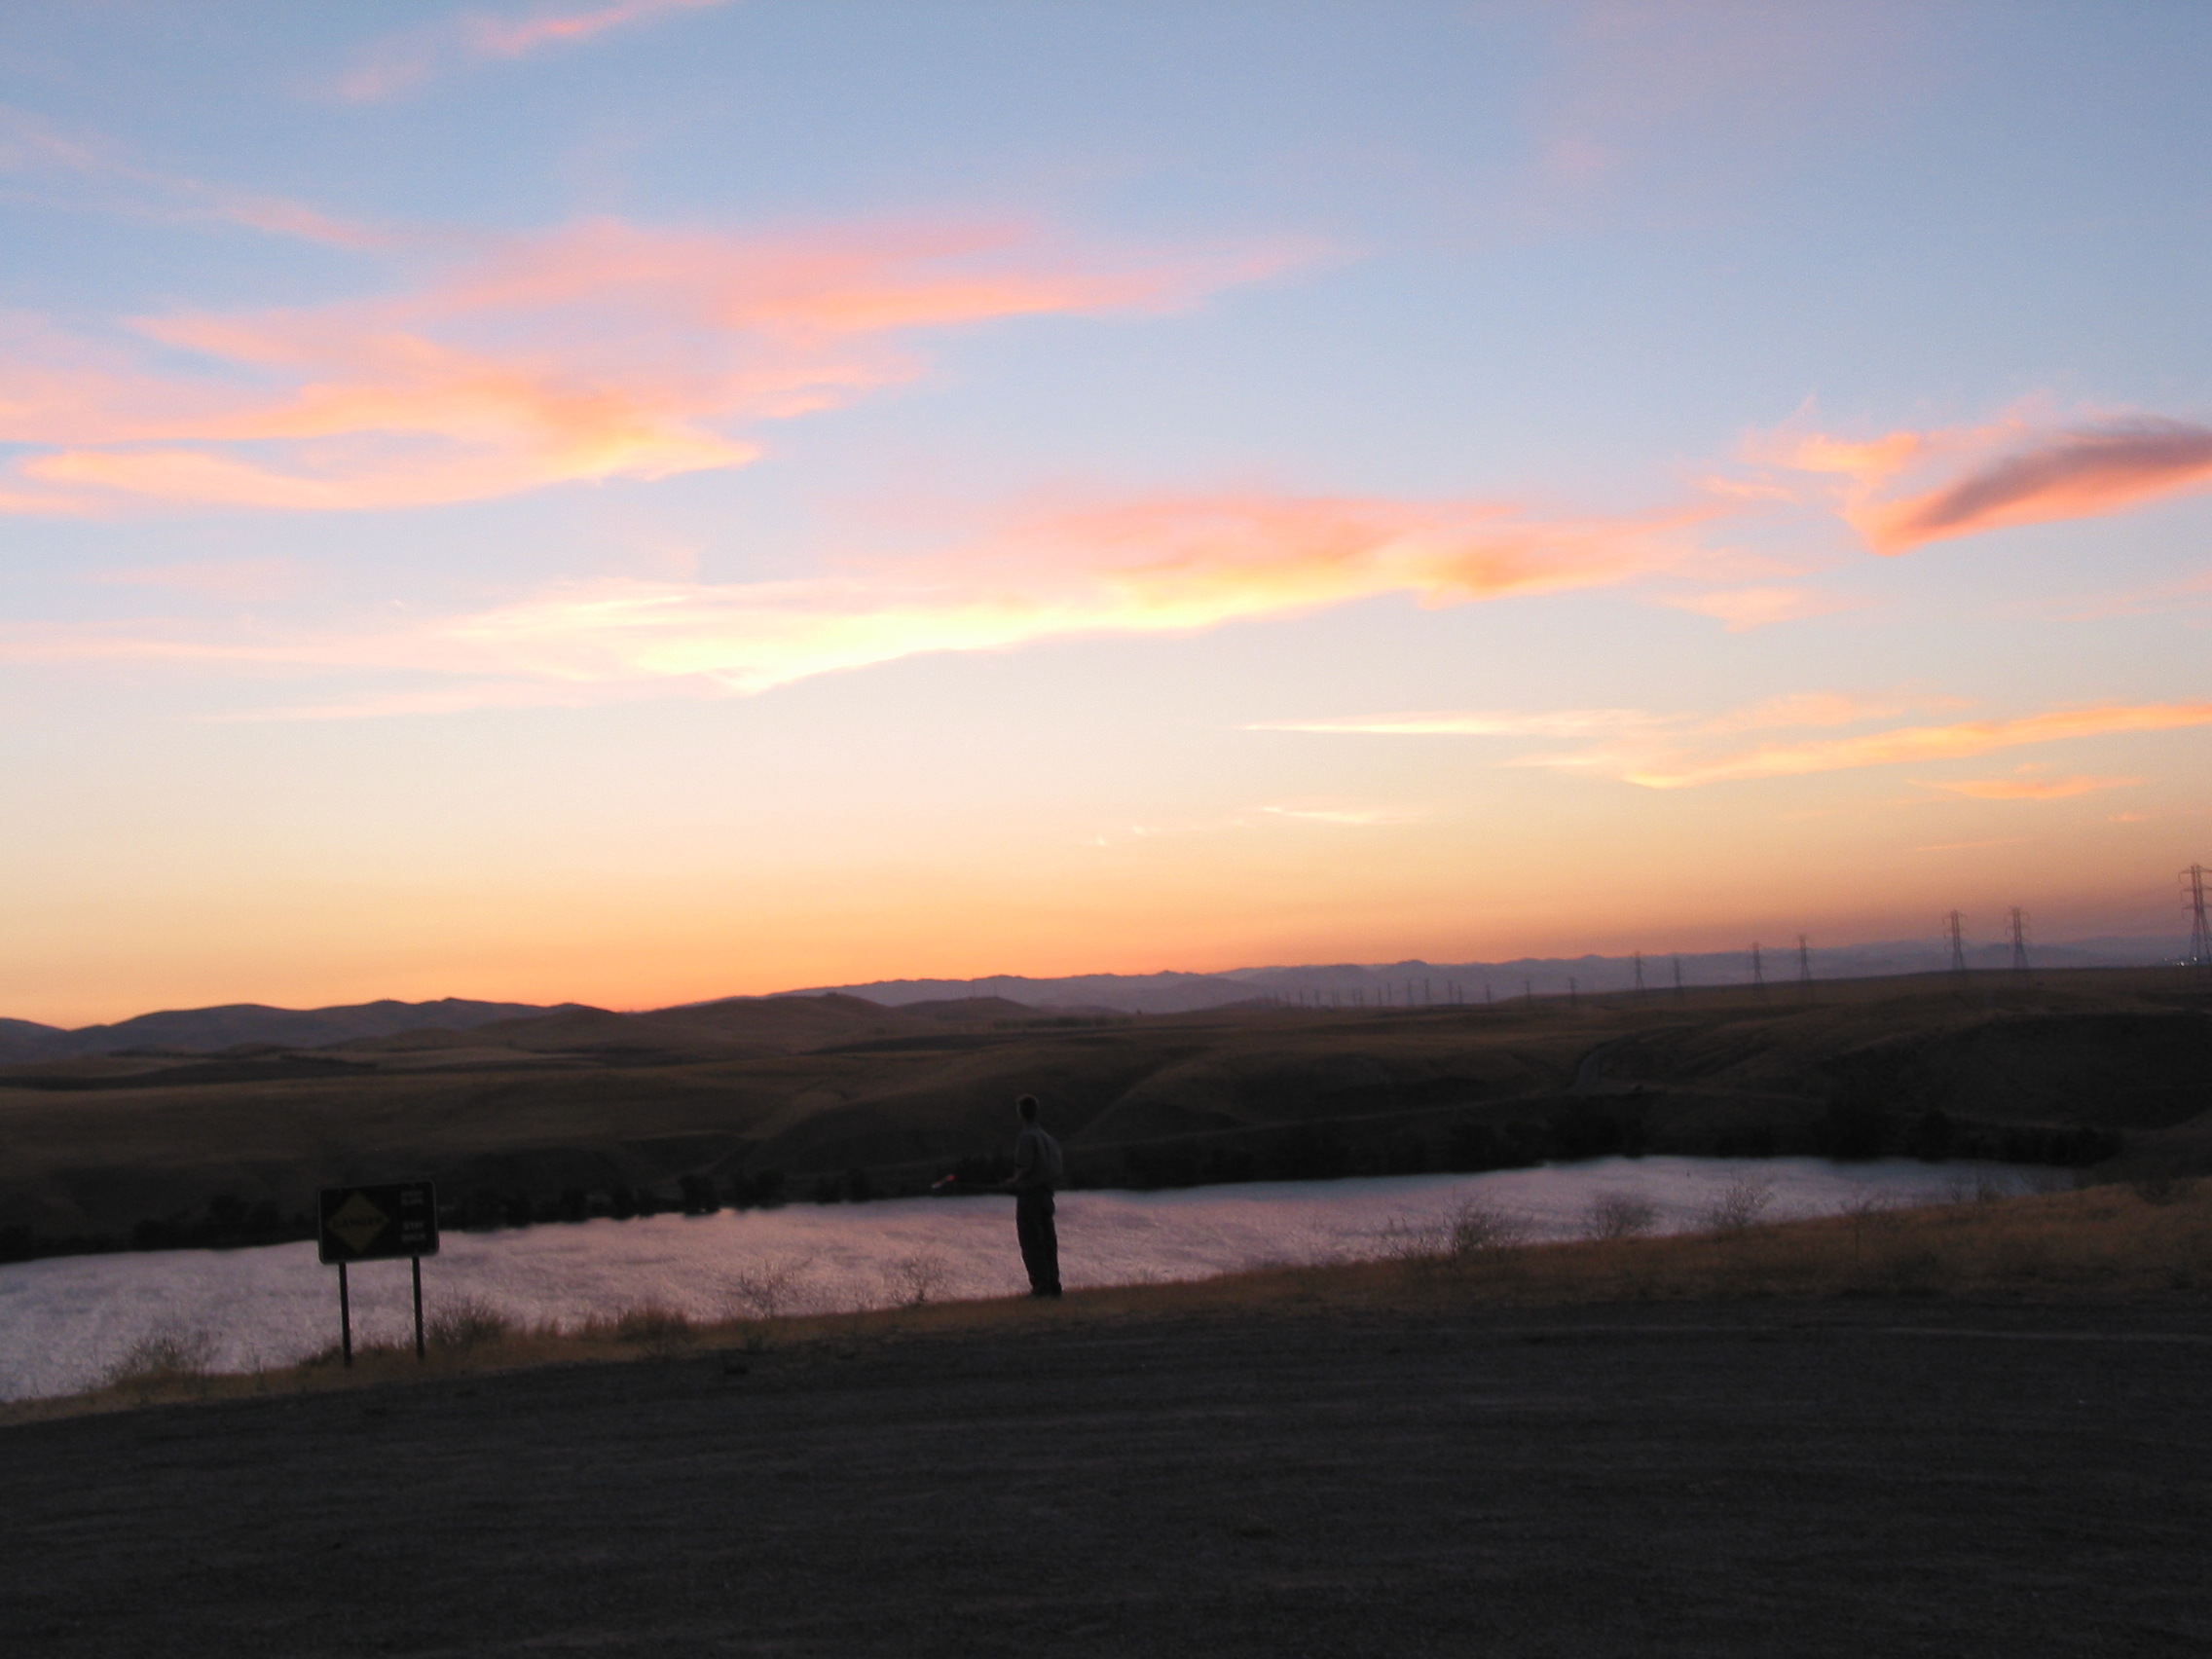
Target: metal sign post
{"points": [[377, 1224]]}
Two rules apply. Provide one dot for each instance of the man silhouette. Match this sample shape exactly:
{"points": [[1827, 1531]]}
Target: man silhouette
{"points": [[1037, 1169]]}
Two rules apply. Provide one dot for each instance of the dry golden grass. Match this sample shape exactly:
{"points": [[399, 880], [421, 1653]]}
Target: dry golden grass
{"points": [[2150, 1240]]}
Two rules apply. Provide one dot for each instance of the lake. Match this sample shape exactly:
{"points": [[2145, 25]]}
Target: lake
{"points": [[64, 1322]]}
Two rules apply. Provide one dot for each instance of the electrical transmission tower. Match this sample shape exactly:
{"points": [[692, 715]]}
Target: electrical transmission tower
{"points": [[2019, 920], [1759, 969], [1955, 928], [1677, 979], [1804, 960], [2199, 934], [1640, 996]]}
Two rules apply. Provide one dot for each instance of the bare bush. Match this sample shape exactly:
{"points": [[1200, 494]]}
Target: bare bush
{"points": [[1868, 1207], [1737, 1206], [1403, 1241], [1619, 1215], [167, 1356], [1469, 1232], [465, 1324], [1476, 1226], [766, 1289], [914, 1278]]}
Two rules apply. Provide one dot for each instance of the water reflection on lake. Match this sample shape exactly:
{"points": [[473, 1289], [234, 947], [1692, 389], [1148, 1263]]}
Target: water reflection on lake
{"points": [[63, 1322]]}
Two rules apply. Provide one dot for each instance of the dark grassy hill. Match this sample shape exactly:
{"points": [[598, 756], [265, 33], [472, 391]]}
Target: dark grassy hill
{"points": [[206, 1030], [585, 1109]]}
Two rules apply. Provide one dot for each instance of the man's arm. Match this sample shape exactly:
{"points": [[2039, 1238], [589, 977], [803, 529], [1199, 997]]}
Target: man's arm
{"points": [[1025, 1153]]}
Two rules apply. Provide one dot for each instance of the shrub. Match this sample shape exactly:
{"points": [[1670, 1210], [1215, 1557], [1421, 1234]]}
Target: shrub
{"points": [[765, 1289], [172, 1355], [1736, 1207], [465, 1324], [1476, 1226], [914, 1278], [1619, 1215], [1469, 1232]]}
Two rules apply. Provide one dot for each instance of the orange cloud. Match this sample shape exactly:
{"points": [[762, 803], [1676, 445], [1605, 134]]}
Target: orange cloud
{"points": [[400, 62], [1562, 723], [1168, 566], [602, 350], [1661, 751], [1962, 740], [2027, 788], [1746, 608], [1909, 489], [1825, 708]]}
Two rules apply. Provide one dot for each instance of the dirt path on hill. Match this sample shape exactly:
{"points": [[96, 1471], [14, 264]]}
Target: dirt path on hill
{"points": [[1694, 1480]]}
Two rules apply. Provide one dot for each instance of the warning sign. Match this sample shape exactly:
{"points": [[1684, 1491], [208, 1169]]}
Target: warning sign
{"points": [[373, 1224]]}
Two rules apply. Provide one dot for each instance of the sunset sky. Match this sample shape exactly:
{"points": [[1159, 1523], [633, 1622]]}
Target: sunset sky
{"points": [[637, 501]]}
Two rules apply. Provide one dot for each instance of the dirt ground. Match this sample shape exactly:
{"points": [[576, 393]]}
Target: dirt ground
{"points": [[1717, 1479]]}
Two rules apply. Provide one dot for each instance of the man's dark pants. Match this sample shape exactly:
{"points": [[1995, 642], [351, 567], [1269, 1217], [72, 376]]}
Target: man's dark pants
{"points": [[1040, 1239]]}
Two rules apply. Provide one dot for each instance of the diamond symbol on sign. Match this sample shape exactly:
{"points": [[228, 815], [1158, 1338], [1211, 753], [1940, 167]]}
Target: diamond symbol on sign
{"points": [[358, 1221]]}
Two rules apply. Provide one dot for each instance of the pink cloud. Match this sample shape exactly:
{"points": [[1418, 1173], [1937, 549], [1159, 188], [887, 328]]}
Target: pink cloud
{"points": [[1907, 488], [600, 351], [398, 63]]}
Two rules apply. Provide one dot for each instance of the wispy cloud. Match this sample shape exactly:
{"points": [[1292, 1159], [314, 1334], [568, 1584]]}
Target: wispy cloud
{"points": [[2026, 788], [1909, 487], [1828, 709], [1744, 608], [1156, 566], [1672, 752], [87, 172], [400, 62], [1348, 817], [1561, 723], [1960, 740], [600, 351], [1171, 565]]}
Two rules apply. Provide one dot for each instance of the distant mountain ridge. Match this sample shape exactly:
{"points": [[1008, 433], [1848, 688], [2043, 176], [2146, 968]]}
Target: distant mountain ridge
{"points": [[1421, 981], [209, 1030]]}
